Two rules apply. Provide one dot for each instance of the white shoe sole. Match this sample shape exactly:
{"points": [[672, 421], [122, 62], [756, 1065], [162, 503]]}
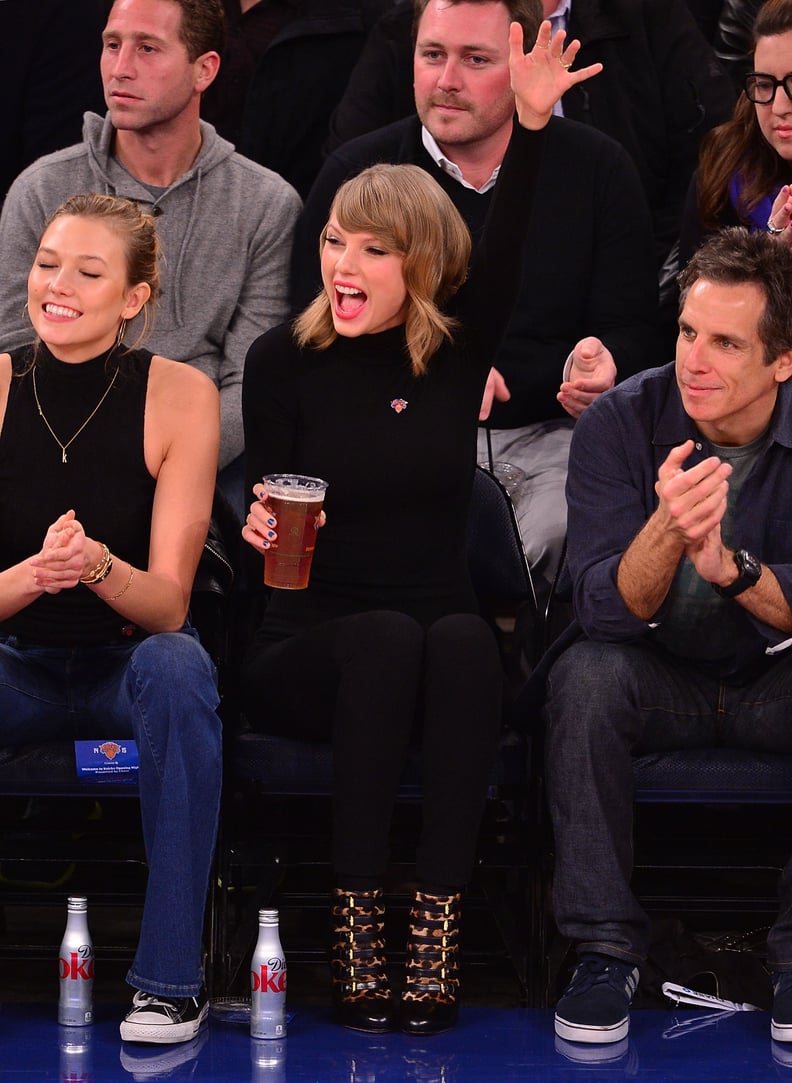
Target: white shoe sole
{"points": [[163, 1033], [780, 1032], [585, 1032]]}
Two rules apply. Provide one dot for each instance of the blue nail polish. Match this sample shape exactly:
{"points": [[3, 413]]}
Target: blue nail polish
{"points": [[270, 522], [270, 533]]}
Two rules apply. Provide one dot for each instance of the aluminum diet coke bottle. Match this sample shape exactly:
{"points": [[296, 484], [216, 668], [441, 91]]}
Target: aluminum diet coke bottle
{"points": [[76, 966], [268, 981]]}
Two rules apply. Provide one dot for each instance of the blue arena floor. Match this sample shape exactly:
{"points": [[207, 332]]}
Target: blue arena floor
{"points": [[490, 1044]]}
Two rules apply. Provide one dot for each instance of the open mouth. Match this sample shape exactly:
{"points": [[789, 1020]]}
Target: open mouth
{"points": [[60, 312], [349, 301]]}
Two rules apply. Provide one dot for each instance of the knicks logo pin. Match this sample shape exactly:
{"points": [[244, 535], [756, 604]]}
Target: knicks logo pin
{"points": [[398, 405]]}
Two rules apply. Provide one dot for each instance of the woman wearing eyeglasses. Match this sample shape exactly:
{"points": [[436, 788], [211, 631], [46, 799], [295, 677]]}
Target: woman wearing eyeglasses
{"points": [[745, 165]]}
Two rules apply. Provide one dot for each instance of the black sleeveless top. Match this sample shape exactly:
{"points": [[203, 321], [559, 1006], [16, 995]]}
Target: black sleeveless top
{"points": [[105, 480]]}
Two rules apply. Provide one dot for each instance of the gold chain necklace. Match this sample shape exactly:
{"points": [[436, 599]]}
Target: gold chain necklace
{"points": [[95, 410]]}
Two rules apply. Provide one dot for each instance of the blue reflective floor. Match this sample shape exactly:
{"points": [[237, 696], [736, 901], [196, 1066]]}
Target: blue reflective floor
{"points": [[492, 1044]]}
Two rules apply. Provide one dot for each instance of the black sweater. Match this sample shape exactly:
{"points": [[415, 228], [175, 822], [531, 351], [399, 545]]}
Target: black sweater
{"points": [[399, 475], [588, 266]]}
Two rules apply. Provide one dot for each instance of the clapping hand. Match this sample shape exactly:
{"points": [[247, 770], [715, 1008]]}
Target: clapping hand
{"points": [[61, 561], [692, 502]]}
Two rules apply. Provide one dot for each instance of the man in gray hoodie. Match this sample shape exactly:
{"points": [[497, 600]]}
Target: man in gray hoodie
{"points": [[225, 223]]}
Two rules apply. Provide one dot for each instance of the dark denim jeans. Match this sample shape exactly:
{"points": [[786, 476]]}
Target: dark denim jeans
{"points": [[162, 691], [607, 701]]}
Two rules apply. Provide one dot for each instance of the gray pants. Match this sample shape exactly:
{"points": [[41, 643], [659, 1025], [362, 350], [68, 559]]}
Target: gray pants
{"points": [[541, 451]]}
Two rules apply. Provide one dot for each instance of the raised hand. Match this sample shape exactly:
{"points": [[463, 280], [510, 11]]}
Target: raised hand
{"points": [[541, 77]]}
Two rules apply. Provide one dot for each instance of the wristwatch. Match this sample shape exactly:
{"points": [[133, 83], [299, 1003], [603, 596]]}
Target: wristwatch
{"points": [[749, 569]]}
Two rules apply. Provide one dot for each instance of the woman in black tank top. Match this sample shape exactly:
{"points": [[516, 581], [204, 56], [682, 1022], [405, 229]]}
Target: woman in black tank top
{"points": [[108, 457]]}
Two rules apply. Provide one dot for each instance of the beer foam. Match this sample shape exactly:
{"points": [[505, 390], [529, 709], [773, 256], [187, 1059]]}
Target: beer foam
{"points": [[296, 495]]}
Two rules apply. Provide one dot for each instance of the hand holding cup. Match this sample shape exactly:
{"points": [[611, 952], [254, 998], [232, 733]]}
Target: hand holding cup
{"points": [[284, 523]]}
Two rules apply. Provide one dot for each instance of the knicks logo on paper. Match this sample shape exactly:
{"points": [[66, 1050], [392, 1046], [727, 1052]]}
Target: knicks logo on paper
{"points": [[398, 405], [110, 749]]}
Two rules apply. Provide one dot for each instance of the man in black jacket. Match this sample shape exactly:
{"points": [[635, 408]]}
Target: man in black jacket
{"points": [[588, 298], [660, 91]]}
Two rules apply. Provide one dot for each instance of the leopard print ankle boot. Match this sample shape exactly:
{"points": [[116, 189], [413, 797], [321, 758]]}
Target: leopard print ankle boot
{"points": [[430, 1001], [361, 994]]}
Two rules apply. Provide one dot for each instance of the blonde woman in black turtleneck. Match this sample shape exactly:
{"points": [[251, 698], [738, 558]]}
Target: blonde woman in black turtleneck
{"points": [[376, 388]]}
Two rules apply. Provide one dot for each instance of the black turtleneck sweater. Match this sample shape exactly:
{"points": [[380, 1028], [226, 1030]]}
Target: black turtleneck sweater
{"points": [[104, 479], [397, 450]]}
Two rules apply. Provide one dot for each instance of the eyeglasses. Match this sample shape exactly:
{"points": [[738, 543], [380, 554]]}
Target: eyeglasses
{"points": [[761, 88]]}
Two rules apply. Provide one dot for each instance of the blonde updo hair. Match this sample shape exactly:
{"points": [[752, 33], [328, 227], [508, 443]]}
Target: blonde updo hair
{"points": [[409, 214], [138, 232]]}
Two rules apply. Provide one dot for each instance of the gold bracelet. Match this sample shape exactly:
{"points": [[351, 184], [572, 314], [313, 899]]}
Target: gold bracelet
{"points": [[125, 588], [97, 567], [101, 570]]}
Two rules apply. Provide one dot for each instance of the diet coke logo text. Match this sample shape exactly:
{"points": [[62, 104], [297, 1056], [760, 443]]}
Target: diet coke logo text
{"points": [[271, 978], [79, 965]]}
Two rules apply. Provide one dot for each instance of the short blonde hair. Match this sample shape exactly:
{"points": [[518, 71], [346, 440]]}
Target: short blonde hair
{"points": [[408, 211]]}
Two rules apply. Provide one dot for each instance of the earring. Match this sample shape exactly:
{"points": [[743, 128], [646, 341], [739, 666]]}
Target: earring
{"points": [[25, 312], [121, 332]]}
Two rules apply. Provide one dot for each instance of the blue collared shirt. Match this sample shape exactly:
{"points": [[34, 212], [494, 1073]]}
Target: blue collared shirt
{"points": [[618, 446]]}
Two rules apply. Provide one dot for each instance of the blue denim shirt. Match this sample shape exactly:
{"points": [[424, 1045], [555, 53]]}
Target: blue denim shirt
{"points": [[618, 446]]}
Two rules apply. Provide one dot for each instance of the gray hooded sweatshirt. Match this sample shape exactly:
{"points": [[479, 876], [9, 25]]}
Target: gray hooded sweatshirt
{"points": [[226, 230]]}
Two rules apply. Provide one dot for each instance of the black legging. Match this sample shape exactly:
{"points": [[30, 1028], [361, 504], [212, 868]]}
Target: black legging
{"points": [[372, 681]]}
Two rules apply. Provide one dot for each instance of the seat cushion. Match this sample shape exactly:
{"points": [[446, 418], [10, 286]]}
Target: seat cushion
{"points": [[714, 774]]}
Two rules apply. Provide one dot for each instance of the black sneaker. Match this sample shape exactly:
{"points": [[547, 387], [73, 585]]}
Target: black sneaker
{"points": [[595, 1006], [781, 1021], [164, 1019]]}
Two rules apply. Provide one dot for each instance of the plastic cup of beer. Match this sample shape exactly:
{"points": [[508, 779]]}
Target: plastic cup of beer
{"points": [[296, 501]]}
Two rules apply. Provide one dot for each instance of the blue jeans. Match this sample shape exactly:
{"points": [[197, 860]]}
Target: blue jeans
{"points": [[162, 692], [606, 702]]}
